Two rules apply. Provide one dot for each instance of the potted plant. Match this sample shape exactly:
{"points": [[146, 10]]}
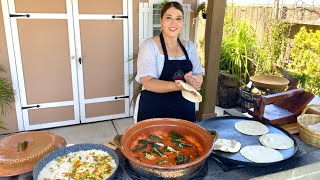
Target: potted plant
{"points": [[6, 97], [164, 2], [295, 78], [238, 50], [202, 7]]}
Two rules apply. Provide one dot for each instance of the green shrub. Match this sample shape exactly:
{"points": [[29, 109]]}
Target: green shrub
{"points": [[306, 58], [274, 44], [238, 48]]}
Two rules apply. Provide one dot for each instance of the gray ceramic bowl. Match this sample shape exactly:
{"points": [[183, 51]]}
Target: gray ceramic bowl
{"points": [[78, 147]]}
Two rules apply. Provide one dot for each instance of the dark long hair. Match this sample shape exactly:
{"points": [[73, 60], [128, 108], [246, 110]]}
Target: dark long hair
{"points": [[170, 4]]}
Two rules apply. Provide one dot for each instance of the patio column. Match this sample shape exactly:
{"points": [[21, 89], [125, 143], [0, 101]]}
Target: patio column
{"points": [[213, 37]]}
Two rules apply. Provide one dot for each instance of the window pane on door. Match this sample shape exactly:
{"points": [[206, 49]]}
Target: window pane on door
{"points": [[100, 7], [40, 6], [45, 55], [156, 31], [49, 115], [105, 108], [103, 62]]}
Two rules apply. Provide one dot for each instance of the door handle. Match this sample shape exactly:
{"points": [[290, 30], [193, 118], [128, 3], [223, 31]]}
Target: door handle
{"points": [[29, 107], [80, 60], [121, 97], [123, 17], [20, 15]]}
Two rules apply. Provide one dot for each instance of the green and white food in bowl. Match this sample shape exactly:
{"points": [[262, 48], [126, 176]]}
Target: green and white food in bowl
{"points": [[88, 161]]}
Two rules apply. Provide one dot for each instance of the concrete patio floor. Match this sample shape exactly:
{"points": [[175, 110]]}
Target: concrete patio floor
{"points": [[98, 132]]}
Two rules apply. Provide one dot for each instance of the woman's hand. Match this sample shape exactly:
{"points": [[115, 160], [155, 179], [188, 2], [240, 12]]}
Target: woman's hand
{"points": [[159, 86], [194, 80], [179, 86]]}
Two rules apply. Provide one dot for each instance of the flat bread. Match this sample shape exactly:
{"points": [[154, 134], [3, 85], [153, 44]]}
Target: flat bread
{"points": [[314, 127], [227, 145], [261, 154], [253, 128], [186, 86], [190, 94], [191, 97], [276, 141]]}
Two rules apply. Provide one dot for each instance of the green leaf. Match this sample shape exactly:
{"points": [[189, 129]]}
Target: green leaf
{"points": [[6, 97]]}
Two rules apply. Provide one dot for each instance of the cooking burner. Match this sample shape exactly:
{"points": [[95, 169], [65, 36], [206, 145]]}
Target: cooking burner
{"points": [[119, 175], [226, 166], [135, 176]]}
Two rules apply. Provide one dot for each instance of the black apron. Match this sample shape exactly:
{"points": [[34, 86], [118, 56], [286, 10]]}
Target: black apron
{"points": [[171, 104]]}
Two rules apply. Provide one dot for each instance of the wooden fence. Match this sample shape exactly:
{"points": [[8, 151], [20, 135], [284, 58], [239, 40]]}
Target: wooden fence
{"points": [[258, 16], [298, 16]]}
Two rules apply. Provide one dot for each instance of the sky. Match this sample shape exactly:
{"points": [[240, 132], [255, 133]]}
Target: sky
{"points": [[305, 2]]}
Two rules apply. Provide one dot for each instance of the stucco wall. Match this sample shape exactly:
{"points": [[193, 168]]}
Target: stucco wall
{"points": [[10, 120]]}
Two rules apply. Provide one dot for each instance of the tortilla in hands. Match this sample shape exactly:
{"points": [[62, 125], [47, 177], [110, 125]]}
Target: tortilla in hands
{"points": [[190, 94]]}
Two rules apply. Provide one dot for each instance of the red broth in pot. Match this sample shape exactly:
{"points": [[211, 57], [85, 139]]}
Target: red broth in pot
{"points": [[166, 148]]}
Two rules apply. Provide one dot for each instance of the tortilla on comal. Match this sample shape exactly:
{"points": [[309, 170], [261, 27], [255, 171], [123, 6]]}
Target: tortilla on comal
{"points": [[261, 154], [253, 128], [276, 141]]}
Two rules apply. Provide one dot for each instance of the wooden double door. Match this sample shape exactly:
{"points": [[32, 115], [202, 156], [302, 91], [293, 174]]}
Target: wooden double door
{"points": [[70, 59]]}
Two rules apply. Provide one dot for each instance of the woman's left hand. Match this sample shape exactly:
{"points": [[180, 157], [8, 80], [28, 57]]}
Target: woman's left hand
{"points": [[192, 80]]}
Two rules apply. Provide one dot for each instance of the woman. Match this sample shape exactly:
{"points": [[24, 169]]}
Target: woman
{"points": [[162, 60]]}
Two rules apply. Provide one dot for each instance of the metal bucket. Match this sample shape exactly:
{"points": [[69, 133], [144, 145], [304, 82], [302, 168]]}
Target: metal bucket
{"points": [[246, 99]]}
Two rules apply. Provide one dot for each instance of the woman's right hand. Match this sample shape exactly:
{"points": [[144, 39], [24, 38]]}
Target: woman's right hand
{"points": [[193, 81], [179, 86], [160, 86]]}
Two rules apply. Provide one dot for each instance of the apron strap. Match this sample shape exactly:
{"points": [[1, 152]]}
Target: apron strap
{"points": [[164, 47], [183, 49]]}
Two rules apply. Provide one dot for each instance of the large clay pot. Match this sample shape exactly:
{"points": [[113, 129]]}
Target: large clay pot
{"points": [[183, 171]]}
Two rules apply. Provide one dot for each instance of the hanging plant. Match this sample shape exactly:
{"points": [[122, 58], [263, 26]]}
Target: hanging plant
{"points": [[202, 7], [164, 2], [6, 97]]}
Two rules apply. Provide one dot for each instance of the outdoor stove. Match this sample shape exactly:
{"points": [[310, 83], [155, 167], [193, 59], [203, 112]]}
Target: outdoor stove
{"points": [[130, 174], [215, 169]]}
